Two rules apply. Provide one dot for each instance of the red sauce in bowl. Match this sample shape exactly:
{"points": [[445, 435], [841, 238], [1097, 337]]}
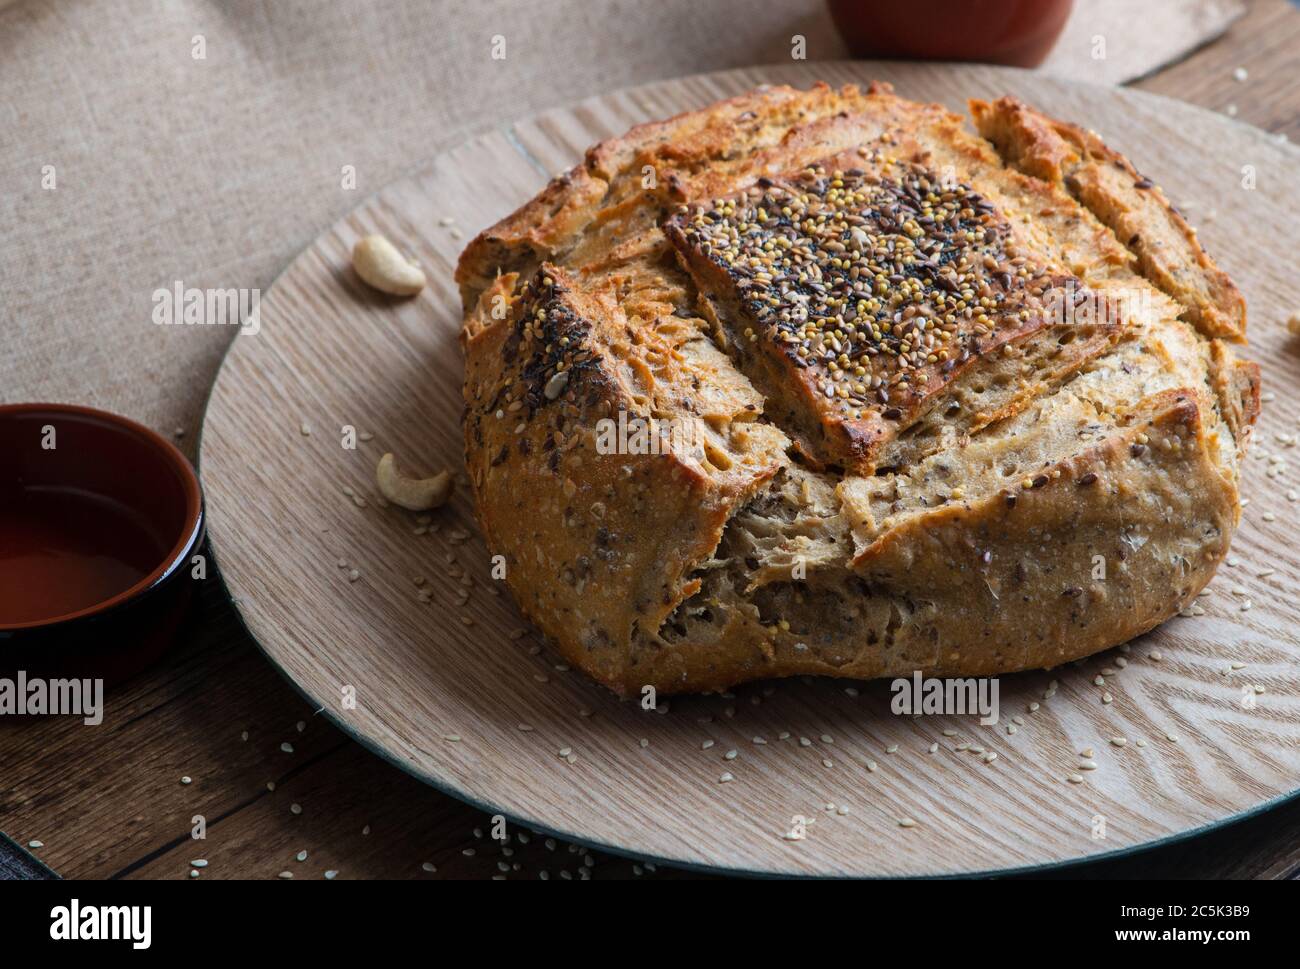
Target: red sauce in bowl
{"points": [[64, 550], [95, 512]]}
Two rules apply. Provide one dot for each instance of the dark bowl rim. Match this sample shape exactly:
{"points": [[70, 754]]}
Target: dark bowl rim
{"points": [[191, 533]]}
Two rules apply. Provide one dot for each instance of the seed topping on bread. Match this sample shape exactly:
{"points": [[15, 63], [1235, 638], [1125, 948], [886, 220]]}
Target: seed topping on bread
{"points": [[880, 281]]}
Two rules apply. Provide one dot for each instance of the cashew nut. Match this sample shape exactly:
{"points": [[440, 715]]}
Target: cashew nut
{"points": [[378, 263], [416, 494]]}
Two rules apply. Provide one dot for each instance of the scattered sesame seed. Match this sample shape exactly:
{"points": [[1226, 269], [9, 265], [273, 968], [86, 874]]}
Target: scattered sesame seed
{"points": [[295, 808], [199, 863], [286, 874], [301, 856], [287, 747], [331, 874], [906, 823], [725, 778], [428, 866], [185, 779]]}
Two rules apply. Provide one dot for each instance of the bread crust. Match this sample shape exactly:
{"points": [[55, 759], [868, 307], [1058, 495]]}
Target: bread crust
{"points": [[1063, 485], [1130, 204]]}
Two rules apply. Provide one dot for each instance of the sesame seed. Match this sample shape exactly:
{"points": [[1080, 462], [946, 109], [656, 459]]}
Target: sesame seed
{"points": [[906, 823]]}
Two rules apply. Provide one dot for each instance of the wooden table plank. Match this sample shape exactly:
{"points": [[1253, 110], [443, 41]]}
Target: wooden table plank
{"points": [[107, 801], [1265, 43]]}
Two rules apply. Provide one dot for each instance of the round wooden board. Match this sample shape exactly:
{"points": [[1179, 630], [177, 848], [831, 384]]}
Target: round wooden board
{"points": [[448, 693]]}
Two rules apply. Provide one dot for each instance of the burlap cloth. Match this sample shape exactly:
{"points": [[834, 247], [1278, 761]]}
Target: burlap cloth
{"points": [[216, 171]]}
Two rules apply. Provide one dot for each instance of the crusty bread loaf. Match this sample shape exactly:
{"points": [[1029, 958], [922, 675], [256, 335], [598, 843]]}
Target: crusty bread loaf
{"points": [[933, 402]]}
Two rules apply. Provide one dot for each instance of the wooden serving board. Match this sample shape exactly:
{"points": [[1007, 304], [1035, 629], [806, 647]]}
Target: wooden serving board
{"points": [[450, 694]]}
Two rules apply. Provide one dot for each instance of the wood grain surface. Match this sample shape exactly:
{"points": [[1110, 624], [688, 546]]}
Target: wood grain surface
{"points": [[445, 689]]}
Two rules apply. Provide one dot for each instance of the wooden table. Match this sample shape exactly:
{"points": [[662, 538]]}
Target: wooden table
{"points": [[109, 801]]}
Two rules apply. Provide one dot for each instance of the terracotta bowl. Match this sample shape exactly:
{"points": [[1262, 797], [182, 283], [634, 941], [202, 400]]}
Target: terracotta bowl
{"points": [[100, 519], [1015, 32]]}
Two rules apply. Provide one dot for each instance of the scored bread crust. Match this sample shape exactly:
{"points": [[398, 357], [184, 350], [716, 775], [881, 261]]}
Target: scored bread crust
{"points": [[888, 450]]}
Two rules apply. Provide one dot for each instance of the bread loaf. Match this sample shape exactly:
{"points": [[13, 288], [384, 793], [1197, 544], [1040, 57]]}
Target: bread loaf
{"points": [[822, 382]]}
